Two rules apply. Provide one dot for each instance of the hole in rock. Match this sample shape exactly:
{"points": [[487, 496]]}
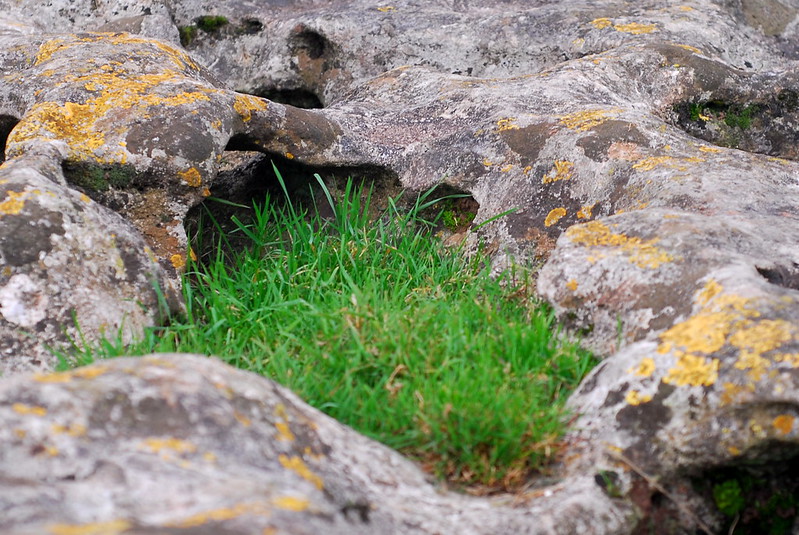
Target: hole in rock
{"points": [[313, 44], [299, 98], [247, 177], [767, 126], [7, 124], [755, 498], [787, 277]]}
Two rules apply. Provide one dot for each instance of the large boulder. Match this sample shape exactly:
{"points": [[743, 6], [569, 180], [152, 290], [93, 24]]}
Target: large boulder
{"points": [[186, 444]]}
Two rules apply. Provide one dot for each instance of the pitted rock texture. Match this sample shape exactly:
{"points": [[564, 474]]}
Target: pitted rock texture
{"points": [[186, 444], [647, 153]]}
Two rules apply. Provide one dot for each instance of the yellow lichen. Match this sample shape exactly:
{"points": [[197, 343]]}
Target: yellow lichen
{"points": [[21, 408], [289, 156], [645, 368], [643, 254], [284, 432], [13, 204], [243, 420], [733, 392], [634, 28], [572, 285], [792, 359], [507, 124], [298, 466], [246, 104], [561, 171], [65, 377], [783, 423], [648, 164], [386, 9], [588, 119], [157, 445], [191, 177], [634, 397], [291, 503], [73, 430], [694, 371], [554, 215], [178, 261], [753, 341], [691, 48], [221, 514], [705, 148], [113, 527], [586, 212]]}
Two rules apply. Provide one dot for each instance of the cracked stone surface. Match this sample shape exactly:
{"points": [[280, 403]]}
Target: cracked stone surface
{"points": [[648, 152]]}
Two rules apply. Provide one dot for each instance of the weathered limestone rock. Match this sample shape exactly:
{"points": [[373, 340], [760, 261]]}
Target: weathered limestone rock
{"points": [[648, 152], [185, 444]]}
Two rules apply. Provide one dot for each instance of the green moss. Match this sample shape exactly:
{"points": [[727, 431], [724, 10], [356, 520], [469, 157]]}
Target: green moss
{"points": [[98, 177], [210, 23], [454, 217], [729, 497], [695, 110], [741, 117], [187, 34]]}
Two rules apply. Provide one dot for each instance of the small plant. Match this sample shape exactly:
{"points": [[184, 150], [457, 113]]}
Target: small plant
{"points": [[737, 116], [187, 34], [210, 23], [729, 497]]}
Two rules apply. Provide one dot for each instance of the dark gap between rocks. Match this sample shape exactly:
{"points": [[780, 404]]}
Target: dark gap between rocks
{"points": [[247, 177], [298, 97], [7, 124], [766, 126], [787, 277]]}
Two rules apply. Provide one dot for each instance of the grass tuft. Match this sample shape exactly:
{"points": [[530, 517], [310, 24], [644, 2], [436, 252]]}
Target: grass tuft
{"points": [[379, 326]]}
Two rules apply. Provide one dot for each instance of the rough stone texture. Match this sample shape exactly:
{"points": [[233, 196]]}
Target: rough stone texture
{"points": [[649, 153], [186, 444]]}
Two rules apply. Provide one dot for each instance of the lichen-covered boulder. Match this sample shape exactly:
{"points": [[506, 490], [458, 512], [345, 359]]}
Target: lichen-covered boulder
{"points": [[186, 444]]}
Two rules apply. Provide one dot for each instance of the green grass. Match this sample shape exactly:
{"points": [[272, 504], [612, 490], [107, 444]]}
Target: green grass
{"points": [[379, 326]]}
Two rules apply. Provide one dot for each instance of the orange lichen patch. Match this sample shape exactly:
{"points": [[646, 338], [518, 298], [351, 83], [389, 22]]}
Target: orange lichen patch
{"points": [[792, 359], [572, 285], [65, 377], [554, 215], [753, 341], [705, 148], [243, 420], [113, 527], [561, 171], [85, 198], [284, 432], [647, 164], [783, 423], [508, 123], [158, 445], [298, 466], [733, 392], [191, 177], [289, 156], [642, 253], [601, 23], [588, 119], [586, 212], [21, 408], [246, 104], [487, 162], [634, 397], [13, 203], [634, 28], [178, 261], [506, 168], [644, 369], [225, 513], [76, 123], [73, 430], [694, 371], [291, 503], [691, 48]]}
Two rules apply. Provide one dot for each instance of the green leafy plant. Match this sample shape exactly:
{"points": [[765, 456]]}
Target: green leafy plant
{"points": [[729, 497], [381, 327]]}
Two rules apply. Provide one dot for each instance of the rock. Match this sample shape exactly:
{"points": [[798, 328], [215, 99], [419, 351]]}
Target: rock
{"points": [[186, 444], [647, 154]]}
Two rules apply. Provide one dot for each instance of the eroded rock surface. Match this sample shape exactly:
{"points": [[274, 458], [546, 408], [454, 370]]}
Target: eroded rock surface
{"points": [[648, 154]]}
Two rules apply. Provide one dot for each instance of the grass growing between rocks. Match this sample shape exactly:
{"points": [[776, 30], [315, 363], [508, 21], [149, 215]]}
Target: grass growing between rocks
{"points": [[378, 325]]}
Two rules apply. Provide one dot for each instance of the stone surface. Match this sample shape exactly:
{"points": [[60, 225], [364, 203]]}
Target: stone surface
{"points": [[647, 153], [186, 444]]}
